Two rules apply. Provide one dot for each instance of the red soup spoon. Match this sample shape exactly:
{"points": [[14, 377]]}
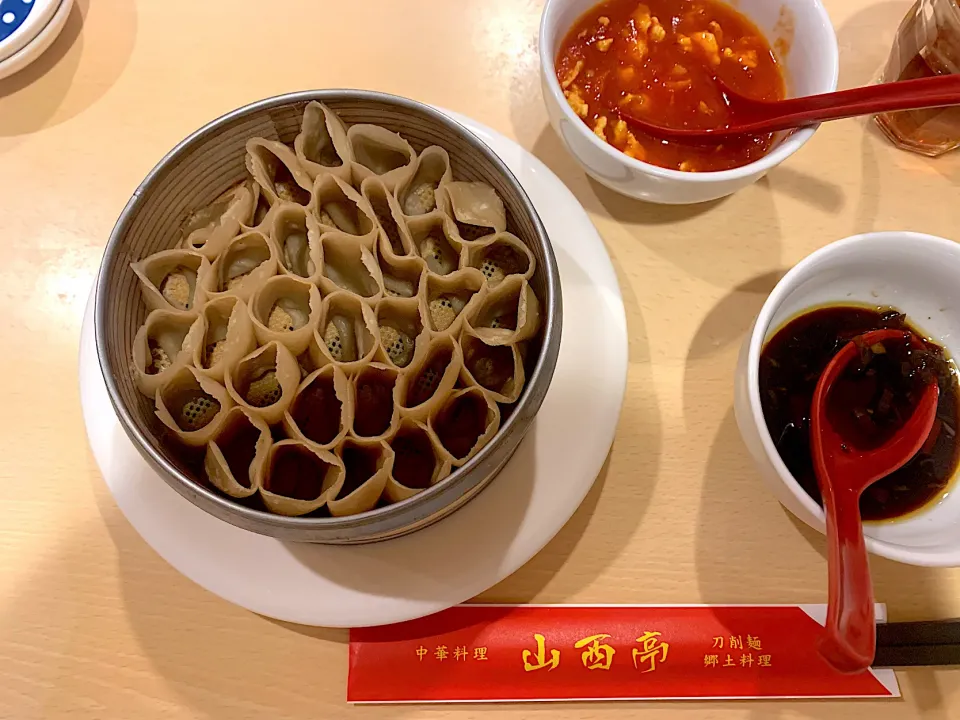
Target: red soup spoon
{"points": [[757, 117], [846, 465]]}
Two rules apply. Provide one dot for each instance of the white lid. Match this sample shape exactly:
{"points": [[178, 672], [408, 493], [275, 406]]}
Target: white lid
{"points": [[21, 21], [34, 46]]}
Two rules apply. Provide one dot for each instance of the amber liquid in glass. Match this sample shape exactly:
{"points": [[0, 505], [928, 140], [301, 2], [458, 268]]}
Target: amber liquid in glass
{"points": [[927, 45]]}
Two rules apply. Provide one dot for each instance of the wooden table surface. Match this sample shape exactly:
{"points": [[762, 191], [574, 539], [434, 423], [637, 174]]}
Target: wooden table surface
{"points": [[93, 624]]}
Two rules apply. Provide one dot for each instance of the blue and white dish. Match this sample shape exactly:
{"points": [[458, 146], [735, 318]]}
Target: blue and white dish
{"points": [[21, 21], [27, 29]]}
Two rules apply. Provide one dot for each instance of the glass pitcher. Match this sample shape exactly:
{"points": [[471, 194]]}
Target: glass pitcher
{"points": [[927, 44]]}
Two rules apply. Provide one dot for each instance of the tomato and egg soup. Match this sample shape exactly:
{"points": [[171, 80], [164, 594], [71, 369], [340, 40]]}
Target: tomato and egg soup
{"points": [[658, 60]]}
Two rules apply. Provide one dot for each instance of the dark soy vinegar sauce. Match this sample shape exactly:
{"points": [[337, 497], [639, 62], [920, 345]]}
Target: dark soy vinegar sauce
{"points": [[869, 404]]}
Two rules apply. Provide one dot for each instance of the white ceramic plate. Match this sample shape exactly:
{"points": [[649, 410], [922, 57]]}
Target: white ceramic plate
{"points": [[458, 557], [38, 44]]}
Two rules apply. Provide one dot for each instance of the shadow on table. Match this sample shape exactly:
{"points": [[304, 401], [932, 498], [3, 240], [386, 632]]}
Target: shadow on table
{"points": [[865, 40], [79, 67], [689, 236], [728, 323], [816, 192]]}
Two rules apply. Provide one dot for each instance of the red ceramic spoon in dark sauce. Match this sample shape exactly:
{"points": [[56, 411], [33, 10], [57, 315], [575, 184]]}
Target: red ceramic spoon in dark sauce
{"points": [[849, 457]]}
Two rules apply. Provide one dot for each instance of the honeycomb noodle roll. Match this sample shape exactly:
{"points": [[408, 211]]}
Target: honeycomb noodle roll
{"points": [[508, 314], [278, 172], [463, 424], [160, 348], [209, 229], [220, 336], [295, 236], [262, 210], [379, 152], [347, 334], [286, 309], [435, 238], [417, 196], [417, 463], [376, 415], [367, 465], [430, 378], [335, 332], [499, 257], [445, 300], [297, 479], [322, 146], [394, 236], [496, 369], [401, 275], [192, 406], [475, 208], [349, 265], [247, 262], [402, 331], [265, 381], [322, 410], [339, 207], [169, 279], [236, 453]]}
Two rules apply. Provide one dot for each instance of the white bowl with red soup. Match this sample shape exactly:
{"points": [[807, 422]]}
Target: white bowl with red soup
{"points": [[659, 60]]}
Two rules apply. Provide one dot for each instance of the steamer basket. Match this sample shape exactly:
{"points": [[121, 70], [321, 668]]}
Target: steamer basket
{"points": [[206, 164]]}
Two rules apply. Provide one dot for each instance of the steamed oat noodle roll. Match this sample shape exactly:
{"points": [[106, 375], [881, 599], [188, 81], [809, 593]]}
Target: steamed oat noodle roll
{"points": [[192, 405], [262, 210], [349, 265], [322, 410], [297, 479], [417, 196], [322, 146], [510, 313], [286, 309], [402, 331], [265, 381], [367, 466], [496, 369], [381, 153], [376, 415], [246, 263], [208, 230], [476, 209], [401, 275], [394, 237], [434, 237], [501, 256], [463, 424], [236, 452], [430, 378], [295, 235], [337, 206], [220, 336], [347, 334], [160, 347], [446, 300], [169, 279], [417, 463], [278, 172]]}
